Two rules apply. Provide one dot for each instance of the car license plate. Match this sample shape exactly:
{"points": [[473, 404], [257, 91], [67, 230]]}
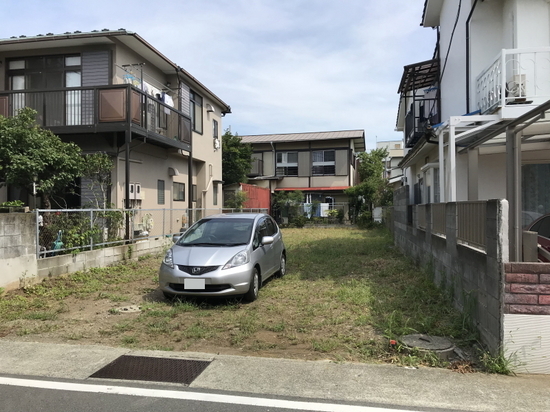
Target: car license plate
{"points": [[193, 283]]}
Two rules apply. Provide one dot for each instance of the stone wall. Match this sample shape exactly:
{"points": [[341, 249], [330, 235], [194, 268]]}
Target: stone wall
{"points": [[472, 276]]}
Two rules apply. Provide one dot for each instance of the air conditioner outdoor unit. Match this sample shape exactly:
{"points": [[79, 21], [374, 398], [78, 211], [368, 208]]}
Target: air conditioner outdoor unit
{"points": [[516, 86]]}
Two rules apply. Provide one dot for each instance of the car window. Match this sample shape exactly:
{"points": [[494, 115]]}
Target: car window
{"points": [[218, 231], [544, 227], [263, 227], [271, 228]]}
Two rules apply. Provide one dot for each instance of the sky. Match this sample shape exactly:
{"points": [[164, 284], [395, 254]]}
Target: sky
{"points": [[284, 66]]}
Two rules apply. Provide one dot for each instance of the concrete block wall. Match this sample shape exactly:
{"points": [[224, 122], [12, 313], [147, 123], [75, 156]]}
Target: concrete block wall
{"points": [[473, 276], [20, 266], [17, 248]]}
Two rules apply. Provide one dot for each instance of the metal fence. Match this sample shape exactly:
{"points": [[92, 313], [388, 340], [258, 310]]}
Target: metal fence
{"points": [[61, 231], [471, 220]]}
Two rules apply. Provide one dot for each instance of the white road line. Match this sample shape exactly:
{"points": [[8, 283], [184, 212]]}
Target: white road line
{"points": [[192, 396]]}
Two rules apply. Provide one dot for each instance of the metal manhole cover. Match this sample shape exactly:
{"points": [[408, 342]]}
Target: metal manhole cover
{"points": [[143, 368]]}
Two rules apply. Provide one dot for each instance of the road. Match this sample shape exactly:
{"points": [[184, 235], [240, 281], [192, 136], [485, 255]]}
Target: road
{"points": [[37, 395]]}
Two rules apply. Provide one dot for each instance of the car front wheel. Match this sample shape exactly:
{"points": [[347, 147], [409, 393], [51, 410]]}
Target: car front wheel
{"points": [[254, 289], [282, 266]]}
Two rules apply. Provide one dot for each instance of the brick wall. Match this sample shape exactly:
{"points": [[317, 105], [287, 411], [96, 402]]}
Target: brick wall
{"points": [[527, 288]]}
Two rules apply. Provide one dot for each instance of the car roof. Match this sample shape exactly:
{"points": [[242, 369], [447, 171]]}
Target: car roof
{"points": [[236, 216]]}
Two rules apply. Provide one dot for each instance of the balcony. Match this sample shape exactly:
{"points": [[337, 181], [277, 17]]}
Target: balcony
{"points": [[517, 81], [103, 109], [417, 122]]}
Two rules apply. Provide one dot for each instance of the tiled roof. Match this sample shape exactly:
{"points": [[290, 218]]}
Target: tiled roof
{"points": [[357, 135]]}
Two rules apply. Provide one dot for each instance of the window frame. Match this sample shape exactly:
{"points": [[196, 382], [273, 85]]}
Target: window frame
{"points": [[177, 189], [284, 167], [328, 166], [161, 188], [195, 109], [29, 70]]}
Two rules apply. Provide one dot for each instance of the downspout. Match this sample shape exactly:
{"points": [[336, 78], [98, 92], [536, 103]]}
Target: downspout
{"points": [[468, 56], [190, 162]]}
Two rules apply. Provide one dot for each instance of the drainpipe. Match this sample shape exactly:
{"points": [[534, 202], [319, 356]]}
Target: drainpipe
{"points": [[468, 56]]}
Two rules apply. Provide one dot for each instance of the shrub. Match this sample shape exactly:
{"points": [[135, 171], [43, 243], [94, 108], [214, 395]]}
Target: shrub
{"points": [[300, 221]]}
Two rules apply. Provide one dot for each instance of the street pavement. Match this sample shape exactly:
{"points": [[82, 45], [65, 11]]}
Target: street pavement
{"points": [[354, 383]]}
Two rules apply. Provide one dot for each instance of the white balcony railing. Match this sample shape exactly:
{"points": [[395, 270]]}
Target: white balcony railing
{"points": [[517, 77]]}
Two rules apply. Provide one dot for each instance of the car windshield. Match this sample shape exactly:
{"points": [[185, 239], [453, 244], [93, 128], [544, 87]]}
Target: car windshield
{"points": [[218, 232]]}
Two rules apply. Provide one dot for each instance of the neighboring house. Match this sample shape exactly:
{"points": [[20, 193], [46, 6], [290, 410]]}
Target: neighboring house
{"points": [[111, 91], [321, 165], [392, 171], [489, 74], [476, 124]]}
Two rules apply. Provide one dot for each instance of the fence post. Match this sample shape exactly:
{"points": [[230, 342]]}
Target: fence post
{"points": [[91, 230], [163, 221], [37, 234]]}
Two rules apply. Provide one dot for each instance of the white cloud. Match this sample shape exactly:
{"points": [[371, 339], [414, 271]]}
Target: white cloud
{"points": [[283, 66]]}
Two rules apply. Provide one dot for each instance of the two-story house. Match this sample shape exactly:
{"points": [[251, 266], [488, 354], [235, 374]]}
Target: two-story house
{"points": [[320, 164], [112, 91], [476, 126], [488, 77], [392, 172]]}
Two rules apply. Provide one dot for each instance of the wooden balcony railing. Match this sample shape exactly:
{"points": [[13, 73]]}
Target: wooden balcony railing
{"points": [[82, 109]]}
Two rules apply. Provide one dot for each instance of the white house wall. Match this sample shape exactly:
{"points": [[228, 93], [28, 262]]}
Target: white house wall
{"points": [[453, 82], [527, 342]]}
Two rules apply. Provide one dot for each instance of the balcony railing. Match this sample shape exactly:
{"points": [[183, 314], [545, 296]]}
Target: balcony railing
{"points": [[84, 108], [516, 77]]}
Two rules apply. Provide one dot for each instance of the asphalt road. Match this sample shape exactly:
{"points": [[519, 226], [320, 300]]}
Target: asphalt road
{"points": [[37, 395]]}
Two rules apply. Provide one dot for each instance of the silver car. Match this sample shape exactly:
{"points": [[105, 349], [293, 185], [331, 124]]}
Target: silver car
{"points": [[224, 255]]}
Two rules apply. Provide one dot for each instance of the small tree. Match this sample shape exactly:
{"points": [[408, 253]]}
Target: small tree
{"points": [[374, 189], [236, 159], [236, 200], [290, 202], [30, 154], [97, 169]]}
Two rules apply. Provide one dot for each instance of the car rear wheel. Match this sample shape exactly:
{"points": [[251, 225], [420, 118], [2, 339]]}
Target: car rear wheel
{"points": [[254, 289]]}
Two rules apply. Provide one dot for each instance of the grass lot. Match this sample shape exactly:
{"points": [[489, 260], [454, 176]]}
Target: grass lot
{"points": [[348, 292]]}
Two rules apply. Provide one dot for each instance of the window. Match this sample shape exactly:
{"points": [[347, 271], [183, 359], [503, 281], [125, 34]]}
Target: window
{"points": [[44, 72], [215, 194], [287, 164], [215, 133], [160, 192], [179, 191], [196, 111], [194, 190], [323, 163]]}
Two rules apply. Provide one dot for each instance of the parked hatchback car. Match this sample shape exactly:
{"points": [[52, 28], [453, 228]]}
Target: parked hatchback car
{"points": [[224, 255]]}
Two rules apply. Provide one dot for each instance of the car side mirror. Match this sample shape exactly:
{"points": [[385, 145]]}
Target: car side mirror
{"points": [[175, 238], [267, 240]]}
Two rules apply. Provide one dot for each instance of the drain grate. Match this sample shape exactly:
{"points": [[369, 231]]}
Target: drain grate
{"points": [[142, 368]]}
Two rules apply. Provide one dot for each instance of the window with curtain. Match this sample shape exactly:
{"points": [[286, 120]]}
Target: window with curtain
{"points": [[179, 191], [323, 163], [287, 163]]}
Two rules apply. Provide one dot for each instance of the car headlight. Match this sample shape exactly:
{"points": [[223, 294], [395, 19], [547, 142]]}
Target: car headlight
{"points": [[241, 258], [169, 259]]}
